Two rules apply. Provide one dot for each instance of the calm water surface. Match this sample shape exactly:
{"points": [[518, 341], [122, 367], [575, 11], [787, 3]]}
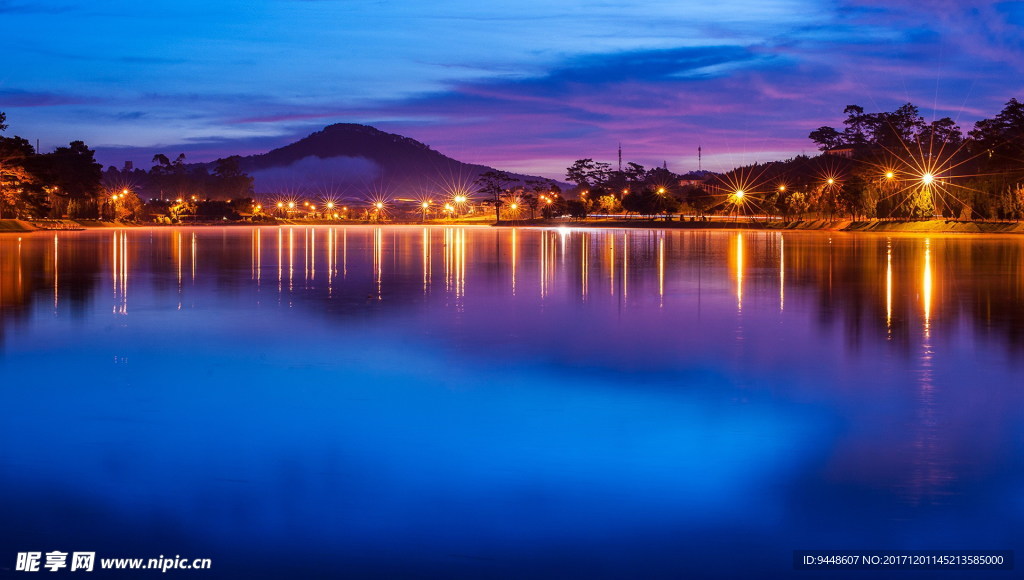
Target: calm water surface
{"points": [[481, 403]]}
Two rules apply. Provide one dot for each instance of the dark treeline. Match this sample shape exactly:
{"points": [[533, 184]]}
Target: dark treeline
{"points": [[888, 165], [68, 182]]}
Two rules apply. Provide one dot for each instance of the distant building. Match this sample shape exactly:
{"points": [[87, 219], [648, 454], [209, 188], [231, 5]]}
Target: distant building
{"points": [[846, 152], [695, 178]]}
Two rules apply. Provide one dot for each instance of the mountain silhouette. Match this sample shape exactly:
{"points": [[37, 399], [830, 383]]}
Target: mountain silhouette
{"points": [[361, 159]]}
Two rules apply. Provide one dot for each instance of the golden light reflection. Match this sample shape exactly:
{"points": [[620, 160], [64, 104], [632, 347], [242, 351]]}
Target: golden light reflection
{"points": [[515, 260], [378, 260], [930, 470], [312, 253], [889, 288], [926, 284], [543, 264], [178, 256], [257, 258], [625, 265], [739, 272], [782, 273], [611, 264], [193, 257], [331, 248], [119, 270], [449, 267], [426, 259], [661, 269], [291, 259], [584, 263], [56, 270]]}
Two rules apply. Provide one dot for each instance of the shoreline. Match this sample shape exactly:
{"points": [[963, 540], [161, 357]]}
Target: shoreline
{"points": [[14, 226]]}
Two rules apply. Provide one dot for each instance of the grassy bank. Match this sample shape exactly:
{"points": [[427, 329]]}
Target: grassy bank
{"points": [[912, 227]]}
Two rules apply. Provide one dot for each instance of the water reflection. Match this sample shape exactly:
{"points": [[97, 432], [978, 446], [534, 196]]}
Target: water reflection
{"points": [[839, 273], [785, 382]]}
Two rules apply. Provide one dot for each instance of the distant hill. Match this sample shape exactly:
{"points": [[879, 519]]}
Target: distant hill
{"points": [[358, 159]]}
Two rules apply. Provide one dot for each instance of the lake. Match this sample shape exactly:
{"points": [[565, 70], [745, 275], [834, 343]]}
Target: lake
{"points": [[474, 402]]}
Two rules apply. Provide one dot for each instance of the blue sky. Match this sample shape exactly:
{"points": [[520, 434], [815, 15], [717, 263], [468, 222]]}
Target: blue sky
{"points": [[528, 85]]}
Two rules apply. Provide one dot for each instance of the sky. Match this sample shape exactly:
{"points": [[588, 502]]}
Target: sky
{"points": [[526, 86]]}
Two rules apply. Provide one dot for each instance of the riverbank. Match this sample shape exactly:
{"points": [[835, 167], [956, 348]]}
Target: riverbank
{"points": [[872, 226]]}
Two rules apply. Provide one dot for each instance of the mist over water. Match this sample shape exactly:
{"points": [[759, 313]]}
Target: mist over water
{"points": [[315, 173]]}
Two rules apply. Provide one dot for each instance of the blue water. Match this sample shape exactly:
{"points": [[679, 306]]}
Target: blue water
{"points": [[498, 403]]}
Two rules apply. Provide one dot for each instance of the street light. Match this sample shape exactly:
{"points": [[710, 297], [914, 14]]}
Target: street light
{"points": [[927, 178]]}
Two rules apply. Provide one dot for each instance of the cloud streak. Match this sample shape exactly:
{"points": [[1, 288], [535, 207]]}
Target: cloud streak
{"points": [[535, 85]]}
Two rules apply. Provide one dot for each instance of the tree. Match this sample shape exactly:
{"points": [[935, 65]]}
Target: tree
{"points": [[586, 173], [856, 126], [75, 177], [608, 204], [919, 205], [577, 209], [20, 190], [895, 130], [3, 121], [229, 179], [796, 204], [1000, 140], [698, 198], [853, 197], [941, 134], [634, 172], [649, 202], [581, 172], [494, 184], [553, 208], [826, 138]]}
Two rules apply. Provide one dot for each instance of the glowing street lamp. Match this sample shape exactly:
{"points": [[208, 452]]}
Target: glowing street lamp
{"points": [[425, 206], [661, 191], [739, 195], [782, 189], [831, 181], [890, 175], [927, 178]]}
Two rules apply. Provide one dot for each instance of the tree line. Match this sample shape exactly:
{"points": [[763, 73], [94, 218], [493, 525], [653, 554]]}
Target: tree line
{"points": [[885, 165], [69, 182]]}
